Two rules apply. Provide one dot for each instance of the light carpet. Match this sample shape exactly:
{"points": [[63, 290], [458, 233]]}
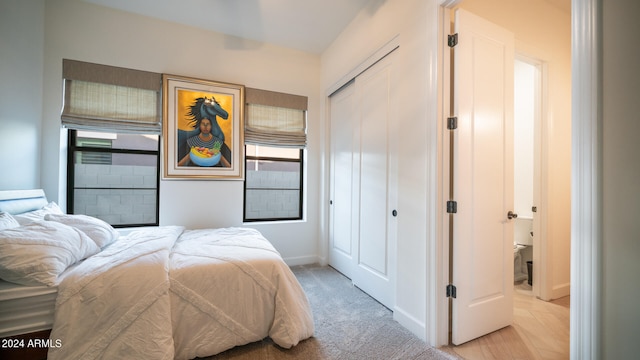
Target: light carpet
{"points": [[349, 325]]}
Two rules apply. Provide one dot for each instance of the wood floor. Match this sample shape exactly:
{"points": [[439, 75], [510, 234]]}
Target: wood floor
{"points": [[540, 331]]}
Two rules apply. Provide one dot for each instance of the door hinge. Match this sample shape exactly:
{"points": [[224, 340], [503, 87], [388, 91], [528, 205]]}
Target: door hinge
{"points": [[452, 40], [452, 123], [452, 207], [451, 291]]}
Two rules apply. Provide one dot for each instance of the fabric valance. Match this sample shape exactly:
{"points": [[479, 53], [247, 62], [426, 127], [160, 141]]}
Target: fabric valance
{"points": [[101, 97], [275, 119]]}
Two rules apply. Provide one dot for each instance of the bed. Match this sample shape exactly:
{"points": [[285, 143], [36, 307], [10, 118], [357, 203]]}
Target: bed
{"points": [[155, 293]]}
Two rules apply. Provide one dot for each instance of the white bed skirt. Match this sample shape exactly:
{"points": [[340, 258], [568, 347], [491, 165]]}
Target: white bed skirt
{"points": [[25, 309]]}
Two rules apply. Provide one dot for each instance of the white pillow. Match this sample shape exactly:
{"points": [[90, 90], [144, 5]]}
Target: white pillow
{"points": [[38, 215], [98, 230], [36, 253], [7, 221]]}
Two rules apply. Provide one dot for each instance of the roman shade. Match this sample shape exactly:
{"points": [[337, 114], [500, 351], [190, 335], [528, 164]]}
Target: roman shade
{"points": [[101, 97], [275, 119]]}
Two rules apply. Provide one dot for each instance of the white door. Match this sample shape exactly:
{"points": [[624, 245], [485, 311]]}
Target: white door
{"points": [[364, 231], [376, 256], [482, 178], [343, 187]]}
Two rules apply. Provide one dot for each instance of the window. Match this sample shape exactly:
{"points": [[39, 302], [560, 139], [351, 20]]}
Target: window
{"points": [[114, 177], [273, 184], [113, 117], [275, 137]]}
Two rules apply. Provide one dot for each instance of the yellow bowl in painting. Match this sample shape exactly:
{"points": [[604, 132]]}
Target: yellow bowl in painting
{"points": [[202, 156]]}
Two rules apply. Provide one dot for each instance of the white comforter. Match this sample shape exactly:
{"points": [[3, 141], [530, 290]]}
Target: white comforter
{"points": [[165, 293]]}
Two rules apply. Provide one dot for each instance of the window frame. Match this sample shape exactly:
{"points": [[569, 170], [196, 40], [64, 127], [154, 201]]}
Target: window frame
{"points": [[274, 159], [72, 149]]}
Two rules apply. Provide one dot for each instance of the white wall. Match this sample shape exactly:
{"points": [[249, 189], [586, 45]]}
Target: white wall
{"points": [[81, 31], [543, 32], [620, 324], [21, 66], [415, 24]]}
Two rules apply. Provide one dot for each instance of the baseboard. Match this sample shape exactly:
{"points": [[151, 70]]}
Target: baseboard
{"points": [[417, 327], [560, 291], [323, 261], [301, 260]]}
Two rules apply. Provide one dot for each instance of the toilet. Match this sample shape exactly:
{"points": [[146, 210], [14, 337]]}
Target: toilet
{"points": [[522, 245]]}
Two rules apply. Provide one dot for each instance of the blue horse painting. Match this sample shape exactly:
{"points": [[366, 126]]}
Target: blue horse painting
{"points": [[203, 115]]}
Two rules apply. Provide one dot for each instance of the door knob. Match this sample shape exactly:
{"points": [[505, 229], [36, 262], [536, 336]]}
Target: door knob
{"points": [[511, 215]]}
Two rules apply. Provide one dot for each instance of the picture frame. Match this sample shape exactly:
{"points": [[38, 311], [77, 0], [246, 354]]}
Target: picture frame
{"points": [[202, 129]]}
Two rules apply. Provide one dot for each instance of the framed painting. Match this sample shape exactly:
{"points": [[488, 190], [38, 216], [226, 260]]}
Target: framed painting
{"points": [[202, 129]]}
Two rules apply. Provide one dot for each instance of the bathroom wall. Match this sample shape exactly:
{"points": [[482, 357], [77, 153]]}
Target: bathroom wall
{"points": [[523, 167], [523, 137]]}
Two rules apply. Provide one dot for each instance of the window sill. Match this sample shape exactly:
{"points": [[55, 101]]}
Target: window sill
{"points": [[273, 222]]}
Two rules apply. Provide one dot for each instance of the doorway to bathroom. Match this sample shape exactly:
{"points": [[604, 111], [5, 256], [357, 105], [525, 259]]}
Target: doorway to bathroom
{"points": [[527, 129]]}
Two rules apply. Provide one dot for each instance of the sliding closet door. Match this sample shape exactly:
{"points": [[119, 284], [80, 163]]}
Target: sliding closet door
{"points": [[372, 179], [376, 256], [344, 190]]}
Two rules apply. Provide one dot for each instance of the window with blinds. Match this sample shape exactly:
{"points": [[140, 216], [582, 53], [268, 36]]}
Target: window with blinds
{"points": [[114, 121], [275, 138]]}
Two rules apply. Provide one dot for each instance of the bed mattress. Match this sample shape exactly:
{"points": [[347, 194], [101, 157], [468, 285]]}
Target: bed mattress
{"points": [[25, 309]]}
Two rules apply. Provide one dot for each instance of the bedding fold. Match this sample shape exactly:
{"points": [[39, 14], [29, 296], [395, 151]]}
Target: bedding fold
{"points": [[116, 303], [230, 287]]}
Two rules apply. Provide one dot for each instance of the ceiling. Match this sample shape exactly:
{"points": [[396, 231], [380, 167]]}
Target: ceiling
{"points": [[307, 25]]}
